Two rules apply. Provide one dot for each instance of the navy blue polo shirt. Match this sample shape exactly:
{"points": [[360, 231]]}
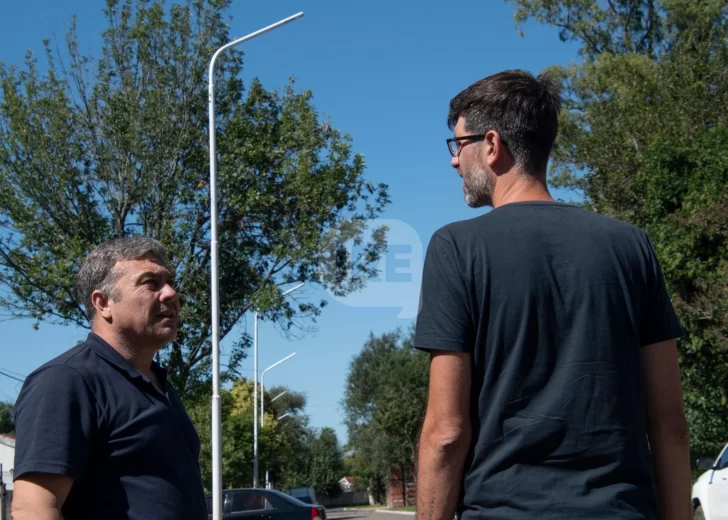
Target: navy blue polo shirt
{"points": [[130, 448]]}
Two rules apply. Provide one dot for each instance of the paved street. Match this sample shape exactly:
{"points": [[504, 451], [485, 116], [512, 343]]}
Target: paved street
{"points": [[366, 514]]}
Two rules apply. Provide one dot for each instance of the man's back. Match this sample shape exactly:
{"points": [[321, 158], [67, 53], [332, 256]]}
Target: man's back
{"points": [[559, 301]]}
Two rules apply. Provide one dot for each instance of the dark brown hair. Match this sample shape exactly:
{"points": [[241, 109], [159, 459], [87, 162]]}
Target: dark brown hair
{"points": [[522, 108]]}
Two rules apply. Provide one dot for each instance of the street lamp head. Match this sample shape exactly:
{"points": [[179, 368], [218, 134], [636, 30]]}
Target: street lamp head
{"points": [[289, 291]]}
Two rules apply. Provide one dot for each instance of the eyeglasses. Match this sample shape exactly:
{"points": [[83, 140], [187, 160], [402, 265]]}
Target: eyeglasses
{"points": [[453, 143]]}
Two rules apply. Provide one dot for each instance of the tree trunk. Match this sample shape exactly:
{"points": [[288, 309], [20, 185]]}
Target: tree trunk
{"points": [[403, 476]]}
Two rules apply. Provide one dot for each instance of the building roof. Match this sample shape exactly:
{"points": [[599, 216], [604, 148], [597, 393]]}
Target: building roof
{"points": [[7, 439]]}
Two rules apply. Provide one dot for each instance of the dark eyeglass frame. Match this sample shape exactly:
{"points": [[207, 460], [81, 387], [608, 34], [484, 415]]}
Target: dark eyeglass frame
{"points": [[456, 141]]}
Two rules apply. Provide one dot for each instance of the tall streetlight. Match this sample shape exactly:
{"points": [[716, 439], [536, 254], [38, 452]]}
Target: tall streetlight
{"points": [[262, 387], [215, 287], [255, 388], [262, 404]]}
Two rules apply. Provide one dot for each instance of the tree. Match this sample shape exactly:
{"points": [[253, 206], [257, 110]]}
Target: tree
{"points": [[643, 140], [285, 447], [384, 403], [327, 464], [368, 465], [286, 401], [7, 421], [96, 149], [291, 468], [237, 430]]}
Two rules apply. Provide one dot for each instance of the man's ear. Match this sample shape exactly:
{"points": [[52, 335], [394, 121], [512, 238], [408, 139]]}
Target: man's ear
{"points": [[100, 301], [493, 148]]}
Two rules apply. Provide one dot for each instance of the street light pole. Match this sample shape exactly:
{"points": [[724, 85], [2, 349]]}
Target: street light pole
{"points": [[255, 388], [215, 285], [262, 387], [262, 403], [255, 399]]}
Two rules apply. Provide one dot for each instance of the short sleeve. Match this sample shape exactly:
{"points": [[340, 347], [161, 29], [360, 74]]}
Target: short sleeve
{"points": [[56, 421], [444, 319], [659, 321]]}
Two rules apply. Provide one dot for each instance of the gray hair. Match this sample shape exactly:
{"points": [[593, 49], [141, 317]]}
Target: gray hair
{"points": [[99, 271]]}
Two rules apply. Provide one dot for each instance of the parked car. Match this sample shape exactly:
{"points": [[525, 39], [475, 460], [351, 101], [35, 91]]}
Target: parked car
{"points": [[264, 504], [304, 494], [710, 491]]}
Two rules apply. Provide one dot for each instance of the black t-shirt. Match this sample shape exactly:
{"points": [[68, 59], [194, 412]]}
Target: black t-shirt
{"points": [[130, 448], [554, 303]]}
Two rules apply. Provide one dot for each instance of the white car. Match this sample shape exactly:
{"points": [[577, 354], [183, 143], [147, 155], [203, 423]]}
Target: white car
{"points": [[710, 491]]}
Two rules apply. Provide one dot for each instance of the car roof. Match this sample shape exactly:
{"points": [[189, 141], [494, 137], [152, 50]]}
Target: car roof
{"points": [[274, 492]]}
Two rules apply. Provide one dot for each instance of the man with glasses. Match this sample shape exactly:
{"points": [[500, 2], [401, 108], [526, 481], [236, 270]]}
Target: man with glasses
{"points": [[554, 380]]}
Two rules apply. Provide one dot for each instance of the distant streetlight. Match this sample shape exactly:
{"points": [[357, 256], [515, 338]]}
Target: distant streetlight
{"points": [[215, 281], [262, 403], [255, 388], [262, 387], [279, 395]]}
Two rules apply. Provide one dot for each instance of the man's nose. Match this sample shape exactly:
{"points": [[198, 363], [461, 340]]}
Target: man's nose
{"points": [[455, 161], [169, 293]]}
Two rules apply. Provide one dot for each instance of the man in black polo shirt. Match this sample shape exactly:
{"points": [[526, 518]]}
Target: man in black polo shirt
{"points": [[552, 339], [100, 432]]}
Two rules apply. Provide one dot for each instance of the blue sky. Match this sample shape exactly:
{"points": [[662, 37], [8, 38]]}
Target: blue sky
{"points": [[382, 71]]}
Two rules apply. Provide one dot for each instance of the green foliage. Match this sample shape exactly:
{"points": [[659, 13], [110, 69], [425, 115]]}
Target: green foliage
{"points": [[327, 464], [384, 403], [95, 149], [614, 27], [286, 401], [237, 433], [293, 453], [7, 419], [645, 139], [291, 468]]}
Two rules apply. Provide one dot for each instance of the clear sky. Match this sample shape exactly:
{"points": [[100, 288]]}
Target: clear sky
{"points": [[384, 71]]}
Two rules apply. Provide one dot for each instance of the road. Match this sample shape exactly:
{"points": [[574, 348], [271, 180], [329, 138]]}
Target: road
{"points": [[365, 514]]}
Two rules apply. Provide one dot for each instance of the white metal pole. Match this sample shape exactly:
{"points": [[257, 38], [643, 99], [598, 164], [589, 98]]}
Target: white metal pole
{"points": [[214, 289], [289, 291], [262, 387], [262, 408], [278, 396], [256, 458], [255, 389], [255, 399]]}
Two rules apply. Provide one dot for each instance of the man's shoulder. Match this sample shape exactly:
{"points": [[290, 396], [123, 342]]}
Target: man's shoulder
{"points": [[71, 375], [455, 232], [608, 222], [79, 359], [506, 219]]}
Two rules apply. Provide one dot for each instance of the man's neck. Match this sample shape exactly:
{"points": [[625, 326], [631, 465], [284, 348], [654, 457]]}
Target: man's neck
{"points": [[139, 356], [520, 187]]}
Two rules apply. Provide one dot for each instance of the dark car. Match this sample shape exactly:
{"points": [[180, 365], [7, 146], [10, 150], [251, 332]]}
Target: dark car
{"points": [[264, 504]]}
